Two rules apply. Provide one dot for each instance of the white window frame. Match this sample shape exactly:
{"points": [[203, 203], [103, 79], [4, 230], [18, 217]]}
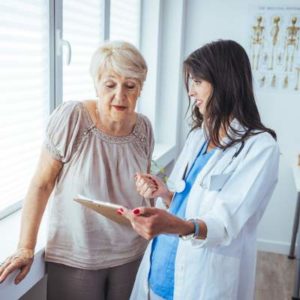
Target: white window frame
{"points": [[163, 55], [162, 94], [56, 67], [164, 152]]}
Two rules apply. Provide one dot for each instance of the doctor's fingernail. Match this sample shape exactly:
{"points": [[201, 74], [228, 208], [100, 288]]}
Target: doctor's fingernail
{"points": [[119, 211], [136, 211]]}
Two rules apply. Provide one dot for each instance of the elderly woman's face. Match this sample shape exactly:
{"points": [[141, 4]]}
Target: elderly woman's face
{"points": [[117, 95]]}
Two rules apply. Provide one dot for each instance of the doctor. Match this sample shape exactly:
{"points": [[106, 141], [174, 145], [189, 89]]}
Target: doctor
{"points": [[204, 240]]}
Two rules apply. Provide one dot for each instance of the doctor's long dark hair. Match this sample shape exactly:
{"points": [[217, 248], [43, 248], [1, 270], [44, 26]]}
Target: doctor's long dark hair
{"points": [[225, 64]]}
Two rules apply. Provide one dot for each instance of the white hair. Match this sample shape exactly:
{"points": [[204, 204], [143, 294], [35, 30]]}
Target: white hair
{"points": [[122, 58]]}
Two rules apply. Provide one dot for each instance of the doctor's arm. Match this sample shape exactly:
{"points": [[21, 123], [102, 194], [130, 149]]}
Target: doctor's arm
{"points": [[35, 202], [244, 197], [150, 222]]}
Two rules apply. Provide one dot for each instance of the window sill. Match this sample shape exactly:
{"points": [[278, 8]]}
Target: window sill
{"points": [[11, 225], [163, 155]]}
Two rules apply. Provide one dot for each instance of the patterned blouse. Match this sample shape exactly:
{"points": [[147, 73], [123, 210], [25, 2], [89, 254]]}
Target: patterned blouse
{"points": [[98, 166]]}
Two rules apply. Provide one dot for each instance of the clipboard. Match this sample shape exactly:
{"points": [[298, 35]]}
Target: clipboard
{"points": [[106, 209]]}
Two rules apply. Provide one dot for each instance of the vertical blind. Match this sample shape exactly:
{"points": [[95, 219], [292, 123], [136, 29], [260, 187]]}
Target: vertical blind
{"points": [[24, 90], [83, 29], [125, 20]]}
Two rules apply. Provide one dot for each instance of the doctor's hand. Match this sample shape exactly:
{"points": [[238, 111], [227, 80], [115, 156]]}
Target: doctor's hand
{"points": [[150, 222], [22, 259], [150, 186]]}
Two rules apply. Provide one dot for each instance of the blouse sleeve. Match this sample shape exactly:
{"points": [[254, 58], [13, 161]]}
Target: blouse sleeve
{"points": [[64, 131]]}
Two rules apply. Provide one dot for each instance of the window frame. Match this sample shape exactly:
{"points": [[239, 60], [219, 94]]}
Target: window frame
{"points": [[155, 45], [55, 19]]}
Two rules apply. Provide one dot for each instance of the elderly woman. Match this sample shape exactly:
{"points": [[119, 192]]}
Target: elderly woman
{"points": [[93, 148]]}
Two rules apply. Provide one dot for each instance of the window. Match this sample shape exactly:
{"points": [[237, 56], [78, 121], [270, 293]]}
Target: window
{"points": [[37, 38], [162, 27], [24, 87], [84, 35], [125, 21]]}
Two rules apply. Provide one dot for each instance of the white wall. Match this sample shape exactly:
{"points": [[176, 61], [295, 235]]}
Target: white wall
{"points": [[216, 19]]}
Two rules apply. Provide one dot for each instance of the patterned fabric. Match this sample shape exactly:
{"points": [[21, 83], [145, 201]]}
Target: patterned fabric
{"points": [[98, 166]]}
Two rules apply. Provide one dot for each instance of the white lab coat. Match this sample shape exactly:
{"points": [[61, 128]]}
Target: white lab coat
{"points": [[231, 200]]}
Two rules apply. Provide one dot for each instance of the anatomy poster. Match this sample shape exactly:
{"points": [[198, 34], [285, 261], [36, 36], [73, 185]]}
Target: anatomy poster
{"points": [[274, 47]]}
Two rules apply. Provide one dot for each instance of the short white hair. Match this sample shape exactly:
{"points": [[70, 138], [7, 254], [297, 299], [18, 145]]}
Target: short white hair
{"points": [[122, 58]]}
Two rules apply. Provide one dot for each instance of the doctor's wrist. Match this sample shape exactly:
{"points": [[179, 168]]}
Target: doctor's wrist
{"points": [[187, 228], [194, 229]]}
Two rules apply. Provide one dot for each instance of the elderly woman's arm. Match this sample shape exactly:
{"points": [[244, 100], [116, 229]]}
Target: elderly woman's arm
{"points": [[35, 202], [150, 186]]}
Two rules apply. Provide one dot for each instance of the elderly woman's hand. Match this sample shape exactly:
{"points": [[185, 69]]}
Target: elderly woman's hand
{"points": [[22, 259], [150, 222], [150, 186]]}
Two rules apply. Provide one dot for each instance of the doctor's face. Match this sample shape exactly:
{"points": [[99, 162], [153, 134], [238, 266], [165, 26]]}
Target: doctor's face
{"points": [[200, 91]]}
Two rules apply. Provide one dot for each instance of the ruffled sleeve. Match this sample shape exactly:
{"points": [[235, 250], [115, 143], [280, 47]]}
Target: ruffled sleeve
{"points": [[64, 131]]}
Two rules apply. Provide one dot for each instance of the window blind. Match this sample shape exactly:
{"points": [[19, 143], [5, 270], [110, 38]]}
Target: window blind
{"points": [[83, 29], [24, 90], [125, 21]]}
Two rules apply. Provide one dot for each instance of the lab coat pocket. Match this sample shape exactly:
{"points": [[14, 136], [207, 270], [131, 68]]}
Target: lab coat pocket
{"points": [[223, 272], [217, 182]]}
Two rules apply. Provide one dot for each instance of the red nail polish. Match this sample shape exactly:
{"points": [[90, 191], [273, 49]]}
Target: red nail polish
{"points": [[121, 209], [119, 212], [136, 211]]}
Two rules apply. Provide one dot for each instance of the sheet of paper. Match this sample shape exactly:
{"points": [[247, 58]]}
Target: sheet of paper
{"points": [[106, 209]]}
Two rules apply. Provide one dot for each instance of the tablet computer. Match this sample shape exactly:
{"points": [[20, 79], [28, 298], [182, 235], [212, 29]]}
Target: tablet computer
{"points": [[106, 209]]}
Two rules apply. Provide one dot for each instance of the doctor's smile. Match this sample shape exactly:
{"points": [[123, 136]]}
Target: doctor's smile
{"points": [[200, 91]]}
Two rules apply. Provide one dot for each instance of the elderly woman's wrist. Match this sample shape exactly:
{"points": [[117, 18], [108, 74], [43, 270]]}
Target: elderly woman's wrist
{"points": [[167, 198], [27, 250]]}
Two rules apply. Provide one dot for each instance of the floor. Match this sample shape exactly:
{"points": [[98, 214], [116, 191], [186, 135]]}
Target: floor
{"points": [[275, 275]]}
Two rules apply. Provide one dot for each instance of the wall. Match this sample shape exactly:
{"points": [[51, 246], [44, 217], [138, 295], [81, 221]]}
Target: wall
{"points": [[215, 19], [38, 292]]}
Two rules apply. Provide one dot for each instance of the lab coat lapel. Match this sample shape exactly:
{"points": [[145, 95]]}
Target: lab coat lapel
{"points": [[213, 161], [194, 150], [210, 164]]}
